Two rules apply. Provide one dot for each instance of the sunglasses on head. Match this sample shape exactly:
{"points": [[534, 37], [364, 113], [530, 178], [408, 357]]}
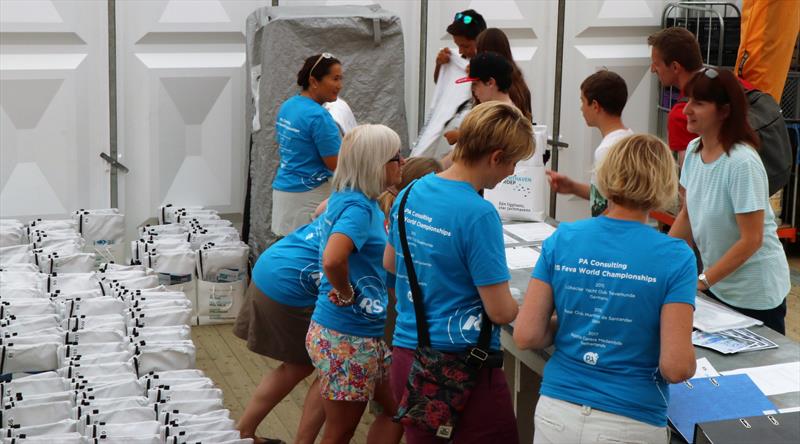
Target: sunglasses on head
{"points": [[324, 55], [711, 73], [466, 19], [396, 158]]}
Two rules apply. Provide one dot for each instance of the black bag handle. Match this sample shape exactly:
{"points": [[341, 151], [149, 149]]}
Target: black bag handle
{"points": [[423, 335]]}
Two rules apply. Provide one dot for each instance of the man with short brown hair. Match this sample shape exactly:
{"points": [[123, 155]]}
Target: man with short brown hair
{"points": [[675, 58]]}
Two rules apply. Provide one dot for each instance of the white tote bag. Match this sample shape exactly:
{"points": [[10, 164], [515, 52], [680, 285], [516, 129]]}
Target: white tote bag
{"points": [[132, 429], [217, 425], [223, 264], [54, 428], [190, 419], [183, 394], [94, 336], [73, 282], [120, 416], [166, 213], [193, 407], [164, 357], [40, 357], [41, 399], [37, 414], [180, 384], [214, 235], [28, 386], [104, 231], [114, 390], [61, 438], [33, 338], [28, 307], [27, 324], [71, 351], [68, 263], [27, 267], [163, 229], [204, 437], [104, 322], [160, 318], [12, 235], [104, 305], [20, 279], [219, 302], [88, 371], [11, 293], [98, 358], [522, 195]]}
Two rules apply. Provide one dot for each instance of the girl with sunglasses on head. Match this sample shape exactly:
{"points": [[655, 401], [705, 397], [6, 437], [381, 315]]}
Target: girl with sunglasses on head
{"points": [[308, 144], [345, 337], [727, 214]]}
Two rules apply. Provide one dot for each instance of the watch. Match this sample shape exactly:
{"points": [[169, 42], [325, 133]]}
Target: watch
{"points": [[702, 278]]}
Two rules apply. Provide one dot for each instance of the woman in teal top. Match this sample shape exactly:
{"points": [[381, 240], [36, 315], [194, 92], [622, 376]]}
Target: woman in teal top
{"points": [[308, 143], [727, 214]]}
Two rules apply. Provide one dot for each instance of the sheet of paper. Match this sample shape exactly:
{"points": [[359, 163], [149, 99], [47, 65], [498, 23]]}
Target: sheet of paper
{"points": [[532, 232], [521, 257], [705, 369], [712, 317], [509, 240], [773, 379], [789, 410]]}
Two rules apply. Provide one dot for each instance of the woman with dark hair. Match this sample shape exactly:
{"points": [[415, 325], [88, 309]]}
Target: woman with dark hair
{"points": [[495, 40], [308, 143], [727, 213]]}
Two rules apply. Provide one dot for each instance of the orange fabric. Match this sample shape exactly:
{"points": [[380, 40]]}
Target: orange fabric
{"points": [[769, 32]]}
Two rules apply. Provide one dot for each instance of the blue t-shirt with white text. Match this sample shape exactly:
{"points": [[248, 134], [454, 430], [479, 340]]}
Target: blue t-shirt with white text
{"points": [[305, 132], [610, 279], [288, 272], [354, 215], [457, 245]]}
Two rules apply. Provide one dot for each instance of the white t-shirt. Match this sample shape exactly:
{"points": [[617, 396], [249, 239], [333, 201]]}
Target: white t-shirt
{"points": [[597, 202]]}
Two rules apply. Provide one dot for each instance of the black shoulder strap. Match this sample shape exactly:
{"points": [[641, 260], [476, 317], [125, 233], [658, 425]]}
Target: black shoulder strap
{"points": [[423, 335]]}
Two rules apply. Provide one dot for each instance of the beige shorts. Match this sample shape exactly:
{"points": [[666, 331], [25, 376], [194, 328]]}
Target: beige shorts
{"points": [[293, 210]]}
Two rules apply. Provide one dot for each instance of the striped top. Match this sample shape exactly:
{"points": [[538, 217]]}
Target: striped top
{"points": [[715, 193]]}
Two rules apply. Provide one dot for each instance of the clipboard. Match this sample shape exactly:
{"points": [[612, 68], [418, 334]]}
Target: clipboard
{"points": [[714, 399]]}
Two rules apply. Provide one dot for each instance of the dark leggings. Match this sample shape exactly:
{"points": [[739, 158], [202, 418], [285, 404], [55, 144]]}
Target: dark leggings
{"points": [[772, 318]]}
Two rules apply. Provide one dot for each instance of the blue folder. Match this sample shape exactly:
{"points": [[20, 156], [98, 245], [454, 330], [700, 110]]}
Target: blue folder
{"points": [[714, 399]]}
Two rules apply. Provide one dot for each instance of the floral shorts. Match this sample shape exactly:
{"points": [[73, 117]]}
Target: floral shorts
{"points": [[349, 366]]}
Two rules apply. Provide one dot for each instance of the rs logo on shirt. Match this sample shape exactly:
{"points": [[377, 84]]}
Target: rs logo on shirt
{"points": [[473, 323], [371, 297]]}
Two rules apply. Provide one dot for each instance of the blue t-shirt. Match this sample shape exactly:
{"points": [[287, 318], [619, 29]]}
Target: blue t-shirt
{"points": [[456, 240], [288, 271], [716, 192], [610, 279], [356, 216], [305, 132]]}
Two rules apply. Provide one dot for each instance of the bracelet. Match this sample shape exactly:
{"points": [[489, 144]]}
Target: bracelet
{"points": [[339, 295]]}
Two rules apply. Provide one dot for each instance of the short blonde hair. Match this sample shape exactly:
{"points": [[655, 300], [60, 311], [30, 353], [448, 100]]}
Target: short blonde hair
{"points": [[638, 172], [493, 126], [362, 159]]}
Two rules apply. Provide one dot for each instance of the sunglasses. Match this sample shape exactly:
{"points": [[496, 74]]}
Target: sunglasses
{"points": [[324, 55], [466, 19], [396, 158], [711, 73]]}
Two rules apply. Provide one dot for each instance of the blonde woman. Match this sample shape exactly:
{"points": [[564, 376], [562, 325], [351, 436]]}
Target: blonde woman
{"points": [[618, 312], [457, 246], [345, 338]]}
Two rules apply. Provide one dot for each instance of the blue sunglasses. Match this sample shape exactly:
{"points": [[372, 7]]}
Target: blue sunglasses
{"points": [[466, 19]]}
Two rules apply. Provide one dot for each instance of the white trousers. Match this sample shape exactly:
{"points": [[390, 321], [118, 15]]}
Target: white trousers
{"points": [[293, 210], [559, 421]]}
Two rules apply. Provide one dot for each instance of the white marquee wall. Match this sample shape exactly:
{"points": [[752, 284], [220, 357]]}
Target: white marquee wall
{"points": [[180, 66]]}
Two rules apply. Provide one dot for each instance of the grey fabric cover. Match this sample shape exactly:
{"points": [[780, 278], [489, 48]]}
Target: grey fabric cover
{"points": [[369, 42]]}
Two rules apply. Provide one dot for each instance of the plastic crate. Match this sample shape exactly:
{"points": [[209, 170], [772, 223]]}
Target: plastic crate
{"points": [[790, 99]]}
